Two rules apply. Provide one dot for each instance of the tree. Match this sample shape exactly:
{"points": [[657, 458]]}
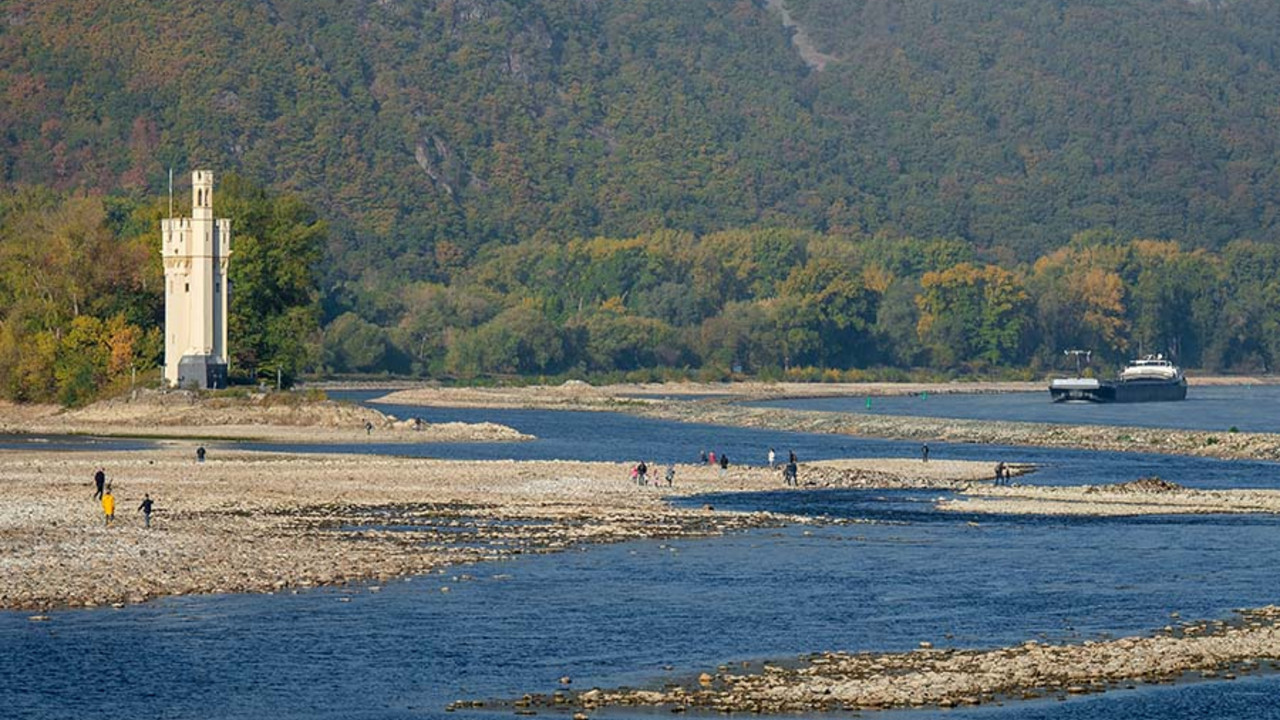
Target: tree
{"points": [[1080, 302], [353, 345], [617, 340], [78, 296], [520, 339], [277, 244], [838, 307], [969, 313]]}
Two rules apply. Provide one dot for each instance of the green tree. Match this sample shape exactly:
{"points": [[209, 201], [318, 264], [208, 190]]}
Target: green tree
{"points": [[833, 300], [969, 313], [353, 345], [520, 339], [277, 244]]}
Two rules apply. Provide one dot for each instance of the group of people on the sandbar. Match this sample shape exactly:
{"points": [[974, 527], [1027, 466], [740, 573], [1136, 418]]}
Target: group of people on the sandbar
{"points": [[640, 471], [790, 471], [103, 494], [640, 474], [710, 458], [1002, 473]]}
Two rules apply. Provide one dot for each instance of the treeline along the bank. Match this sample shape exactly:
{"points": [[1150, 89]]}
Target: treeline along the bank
{"points": [[81, 304]]}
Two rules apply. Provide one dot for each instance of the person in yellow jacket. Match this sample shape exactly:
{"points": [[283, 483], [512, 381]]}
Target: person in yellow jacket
{"points": [[109, 506]]}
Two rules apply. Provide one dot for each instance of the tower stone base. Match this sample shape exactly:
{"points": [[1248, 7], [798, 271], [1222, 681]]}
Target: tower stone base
{"points": [[203, 372]]}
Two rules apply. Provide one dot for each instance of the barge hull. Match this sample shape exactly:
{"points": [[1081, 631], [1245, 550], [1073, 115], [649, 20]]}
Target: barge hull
{"points": [[1119, 392]]}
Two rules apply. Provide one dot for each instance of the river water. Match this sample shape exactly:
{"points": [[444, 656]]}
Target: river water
{"points": [[642, 612], [1248, 408]]}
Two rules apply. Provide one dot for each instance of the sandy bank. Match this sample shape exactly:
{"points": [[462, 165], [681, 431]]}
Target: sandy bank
{"points": [[260, 522], [947, 678], [901, 473], [262, 417], [1111, 500], [580, 395]]}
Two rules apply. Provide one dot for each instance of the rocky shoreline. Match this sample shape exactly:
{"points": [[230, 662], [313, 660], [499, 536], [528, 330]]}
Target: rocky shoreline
{"points": [[944, 678], [264, 522], [722, 404], [583, 396], [1223, 445], [1147, 496]]}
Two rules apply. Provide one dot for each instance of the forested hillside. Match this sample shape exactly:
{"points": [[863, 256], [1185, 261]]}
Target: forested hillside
{"points": [[547, 186], [432, 128]]}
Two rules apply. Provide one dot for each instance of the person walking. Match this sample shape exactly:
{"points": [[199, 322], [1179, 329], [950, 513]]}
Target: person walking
{"points": [[1001, 477], [671, 474], [642, 472], [200, 452], [108, 507], [789, 475], [711, 457], [145, 509], [772, 457], [99, 481], [724, 464], [702, 456], [924, 452]]}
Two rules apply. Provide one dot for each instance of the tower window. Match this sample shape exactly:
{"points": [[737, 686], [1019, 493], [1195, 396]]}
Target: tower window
{"points": [[187, 287]]}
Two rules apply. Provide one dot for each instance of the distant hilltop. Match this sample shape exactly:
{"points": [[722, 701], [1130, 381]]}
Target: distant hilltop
{"points": [[428, 132]]}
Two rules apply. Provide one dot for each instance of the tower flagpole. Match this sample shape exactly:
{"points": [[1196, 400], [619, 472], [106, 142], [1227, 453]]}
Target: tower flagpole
{"points": [[170, 191]]}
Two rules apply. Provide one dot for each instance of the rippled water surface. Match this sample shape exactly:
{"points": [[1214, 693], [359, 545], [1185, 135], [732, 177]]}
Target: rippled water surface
{"points": [[623, 614]]}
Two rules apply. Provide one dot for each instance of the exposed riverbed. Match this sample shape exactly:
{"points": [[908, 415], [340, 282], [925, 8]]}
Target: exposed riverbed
{"points": [[647, 612]]}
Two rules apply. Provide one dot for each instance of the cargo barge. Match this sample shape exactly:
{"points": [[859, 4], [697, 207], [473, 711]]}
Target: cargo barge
{"points": [[1149, 379]]}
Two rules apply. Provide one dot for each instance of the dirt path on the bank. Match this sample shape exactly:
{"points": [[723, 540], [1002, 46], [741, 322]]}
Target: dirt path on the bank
{"points": [[262, 522]]}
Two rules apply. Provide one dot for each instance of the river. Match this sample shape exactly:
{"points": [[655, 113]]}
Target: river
{"points": [[1248, 408], [642, 612]]}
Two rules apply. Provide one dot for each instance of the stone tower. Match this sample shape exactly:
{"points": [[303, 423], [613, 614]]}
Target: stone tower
{"points": [[196, 250]]}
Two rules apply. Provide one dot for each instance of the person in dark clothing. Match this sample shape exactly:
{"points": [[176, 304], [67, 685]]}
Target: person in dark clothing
{"points": [[1000, 474], [642, 471], [200, 454], [145, 508], [702, 457], [671, 474], [724, 463], [924, 452], [99, 482]]}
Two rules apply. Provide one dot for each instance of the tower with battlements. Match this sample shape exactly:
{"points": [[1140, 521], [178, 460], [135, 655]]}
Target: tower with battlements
{"points": [[196, 251]]}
